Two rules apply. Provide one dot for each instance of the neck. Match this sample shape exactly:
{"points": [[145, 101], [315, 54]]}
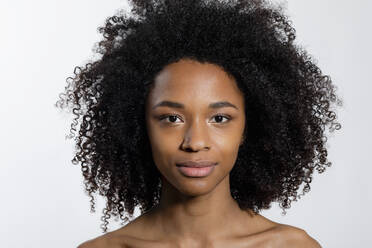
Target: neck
{"points": [[203, 217]]}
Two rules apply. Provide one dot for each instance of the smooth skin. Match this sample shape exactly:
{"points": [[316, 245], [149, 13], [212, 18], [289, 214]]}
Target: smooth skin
{"points": [[195, 111]]}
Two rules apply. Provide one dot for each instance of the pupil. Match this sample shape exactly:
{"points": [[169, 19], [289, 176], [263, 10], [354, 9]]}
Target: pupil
{"points": [[172, 117], [217, 117]]}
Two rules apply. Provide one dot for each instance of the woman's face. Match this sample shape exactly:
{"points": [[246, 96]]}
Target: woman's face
{"points": [[194, 112]]}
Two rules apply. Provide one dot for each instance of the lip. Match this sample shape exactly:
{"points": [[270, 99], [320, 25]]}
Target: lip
{"points": [[195, 171], [196, 163], [199, 168]]}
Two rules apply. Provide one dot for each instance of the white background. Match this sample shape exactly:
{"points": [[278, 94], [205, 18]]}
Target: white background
{"points": [[42, 202]]}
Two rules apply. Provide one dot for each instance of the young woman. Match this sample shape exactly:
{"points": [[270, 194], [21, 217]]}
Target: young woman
{"points": [[200, 113]]}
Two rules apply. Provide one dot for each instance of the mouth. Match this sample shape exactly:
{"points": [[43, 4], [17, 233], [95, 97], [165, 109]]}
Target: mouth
{"points": [[196, 168], [196, 164]]}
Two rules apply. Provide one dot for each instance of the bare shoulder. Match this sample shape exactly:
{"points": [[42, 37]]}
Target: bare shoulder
{"points": [[92, 243], [293, 237], [125, 237], [120, 238], [108, 240]]}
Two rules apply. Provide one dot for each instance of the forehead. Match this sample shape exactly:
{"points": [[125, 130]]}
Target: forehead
{"points": [[191, 80]]}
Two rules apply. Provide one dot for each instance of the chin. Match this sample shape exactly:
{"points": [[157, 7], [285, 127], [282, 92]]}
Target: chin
{"points": [[195, 186]]}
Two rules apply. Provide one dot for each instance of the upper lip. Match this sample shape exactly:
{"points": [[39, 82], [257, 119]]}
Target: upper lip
{"points": [[196, 164]]}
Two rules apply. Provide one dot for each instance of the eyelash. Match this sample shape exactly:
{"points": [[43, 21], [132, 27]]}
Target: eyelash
{"points": [[166, 116]]}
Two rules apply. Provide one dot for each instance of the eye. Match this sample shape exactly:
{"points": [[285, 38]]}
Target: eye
{"points": [[173, 118], [220, 117]]}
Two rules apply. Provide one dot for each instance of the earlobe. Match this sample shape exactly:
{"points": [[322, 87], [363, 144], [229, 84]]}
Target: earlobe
{"points": [[242, 140]]}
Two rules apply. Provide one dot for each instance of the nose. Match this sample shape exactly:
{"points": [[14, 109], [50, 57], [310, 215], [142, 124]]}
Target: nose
{"points": [[196, 137]]}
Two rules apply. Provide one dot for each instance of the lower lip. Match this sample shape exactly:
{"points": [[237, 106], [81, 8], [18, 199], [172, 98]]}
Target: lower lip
{"points": [[196, 172]]}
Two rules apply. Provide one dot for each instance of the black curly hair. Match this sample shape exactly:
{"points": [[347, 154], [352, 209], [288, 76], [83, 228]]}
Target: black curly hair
{"points": [[288, 100]]}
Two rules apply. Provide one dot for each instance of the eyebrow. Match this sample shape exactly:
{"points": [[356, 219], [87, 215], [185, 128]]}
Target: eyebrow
{"points": [[213, 105]]}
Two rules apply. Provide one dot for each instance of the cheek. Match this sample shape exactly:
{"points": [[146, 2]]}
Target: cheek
{"points": [[162, 139], [163, 145], [227, 147]]}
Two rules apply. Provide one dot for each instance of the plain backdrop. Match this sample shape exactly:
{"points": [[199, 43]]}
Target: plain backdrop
{"points": [[42, 201]]}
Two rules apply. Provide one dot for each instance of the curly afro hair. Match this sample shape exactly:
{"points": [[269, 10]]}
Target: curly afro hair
{"points": [[288, 100]]}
